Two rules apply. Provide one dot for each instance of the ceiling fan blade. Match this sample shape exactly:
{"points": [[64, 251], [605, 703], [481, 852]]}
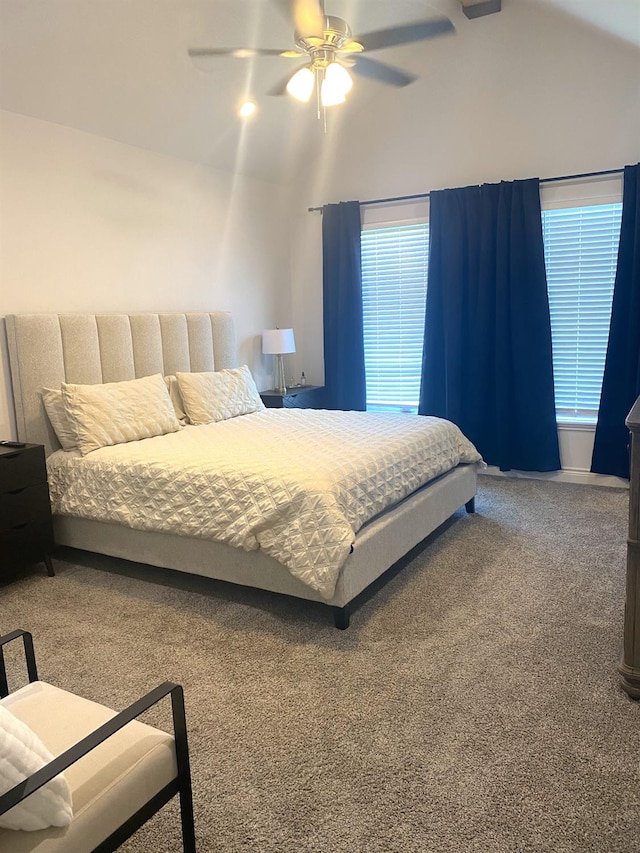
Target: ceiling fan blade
{"points": [[281, 87], [307, 15], [285, 7], [351, 47], [374, 70], [405, 33], [242, 52]]}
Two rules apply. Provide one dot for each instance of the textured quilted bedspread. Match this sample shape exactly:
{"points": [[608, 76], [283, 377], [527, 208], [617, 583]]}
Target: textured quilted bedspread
{"points": [[296, 483]]}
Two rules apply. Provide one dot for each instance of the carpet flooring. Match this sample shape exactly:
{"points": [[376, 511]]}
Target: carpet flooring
{"points": [[473, 704]]}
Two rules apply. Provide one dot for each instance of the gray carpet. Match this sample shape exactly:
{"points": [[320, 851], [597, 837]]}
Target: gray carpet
{"points": [[473, 705]]}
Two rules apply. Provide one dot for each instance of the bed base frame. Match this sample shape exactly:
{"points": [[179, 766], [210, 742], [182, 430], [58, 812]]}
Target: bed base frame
{"points": [[378, 546], [47, 349]]}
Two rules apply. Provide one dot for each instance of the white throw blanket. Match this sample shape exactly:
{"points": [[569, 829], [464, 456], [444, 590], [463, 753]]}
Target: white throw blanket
{"points": [[297, 483], [21, 754]]}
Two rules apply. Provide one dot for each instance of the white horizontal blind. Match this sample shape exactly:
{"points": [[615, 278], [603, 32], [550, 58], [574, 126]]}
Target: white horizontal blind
{"points": [[581, 249], [394, 291]]}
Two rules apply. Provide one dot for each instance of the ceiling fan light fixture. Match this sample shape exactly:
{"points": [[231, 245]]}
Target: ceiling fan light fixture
{"points": [[331, 95], [301, 85], [336, 82], [338, 78]]}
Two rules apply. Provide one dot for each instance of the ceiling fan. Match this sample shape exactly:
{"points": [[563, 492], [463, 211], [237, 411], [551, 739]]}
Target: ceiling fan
{"points": [[328, 48]]}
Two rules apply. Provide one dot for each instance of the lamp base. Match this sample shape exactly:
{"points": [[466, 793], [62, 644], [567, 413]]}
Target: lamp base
{"points": [[280, 381]]}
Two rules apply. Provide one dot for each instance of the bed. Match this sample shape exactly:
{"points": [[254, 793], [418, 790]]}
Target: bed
{"points": [[47, 350]]}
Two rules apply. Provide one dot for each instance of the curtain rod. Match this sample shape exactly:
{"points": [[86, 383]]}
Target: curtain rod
{"points": [[426, 195]]}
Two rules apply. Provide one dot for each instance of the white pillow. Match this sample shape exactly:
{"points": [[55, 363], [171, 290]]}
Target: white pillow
{"points": [[21, 754], [117, 412], [176, 398], [57, 414], [218, 395]]}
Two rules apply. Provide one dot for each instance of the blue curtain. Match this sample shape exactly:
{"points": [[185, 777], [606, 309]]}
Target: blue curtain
{"points": [[487, 359], [621, 381], [344, 375]]}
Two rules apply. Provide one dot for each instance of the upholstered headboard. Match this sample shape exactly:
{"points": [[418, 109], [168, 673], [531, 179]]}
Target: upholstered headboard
{"points": [[47, 349]]}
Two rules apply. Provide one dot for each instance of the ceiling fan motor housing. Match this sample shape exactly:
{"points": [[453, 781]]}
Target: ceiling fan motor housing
{"points": [[335, 35]]}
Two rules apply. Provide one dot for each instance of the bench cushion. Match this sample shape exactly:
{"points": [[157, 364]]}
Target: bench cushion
{"points": [[108, 785]]}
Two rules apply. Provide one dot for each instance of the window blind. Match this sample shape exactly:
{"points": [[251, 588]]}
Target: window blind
{"points": [[581, 250], [394, 289]]}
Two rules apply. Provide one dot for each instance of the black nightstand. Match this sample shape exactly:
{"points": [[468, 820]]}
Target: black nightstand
{"points": [[26, 528], [275, 400]]}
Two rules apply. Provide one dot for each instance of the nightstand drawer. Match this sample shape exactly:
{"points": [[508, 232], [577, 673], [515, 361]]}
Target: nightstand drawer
{"points": [[296, 396], [23, 506], [25, 545], [26, 528], [21, 468]]}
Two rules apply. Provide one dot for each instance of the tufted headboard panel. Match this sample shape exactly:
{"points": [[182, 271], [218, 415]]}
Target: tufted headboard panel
{"points": [[48, 349]]}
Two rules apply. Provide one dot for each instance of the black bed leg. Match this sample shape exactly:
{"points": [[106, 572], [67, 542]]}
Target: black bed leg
{"points": [[470, 506], [341, 616]]}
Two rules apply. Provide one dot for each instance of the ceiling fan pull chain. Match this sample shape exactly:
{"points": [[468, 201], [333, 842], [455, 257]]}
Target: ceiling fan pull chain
{"points": [[321, 107]]}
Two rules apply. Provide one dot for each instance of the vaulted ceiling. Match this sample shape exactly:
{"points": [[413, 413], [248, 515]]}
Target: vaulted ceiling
{"points": [[120, 68]]}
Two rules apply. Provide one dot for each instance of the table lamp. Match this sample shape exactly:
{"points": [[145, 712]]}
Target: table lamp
{"points": [[278, 342]]}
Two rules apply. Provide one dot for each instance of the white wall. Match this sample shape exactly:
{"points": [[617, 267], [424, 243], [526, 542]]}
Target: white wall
{"points": [[88, 224], [535, 94]]}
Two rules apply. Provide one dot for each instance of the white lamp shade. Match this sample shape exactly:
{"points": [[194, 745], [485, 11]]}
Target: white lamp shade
{"points": [[278, 341], [337, 82], [330, 95], [300, 86], [338, 77]]}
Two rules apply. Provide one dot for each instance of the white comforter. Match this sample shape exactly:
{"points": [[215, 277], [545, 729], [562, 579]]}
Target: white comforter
{"points": [[296, 483]]}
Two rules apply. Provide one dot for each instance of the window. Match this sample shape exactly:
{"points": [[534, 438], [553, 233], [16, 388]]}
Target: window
{"points": [[581, 250], [394, 291], [581, 231]]}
